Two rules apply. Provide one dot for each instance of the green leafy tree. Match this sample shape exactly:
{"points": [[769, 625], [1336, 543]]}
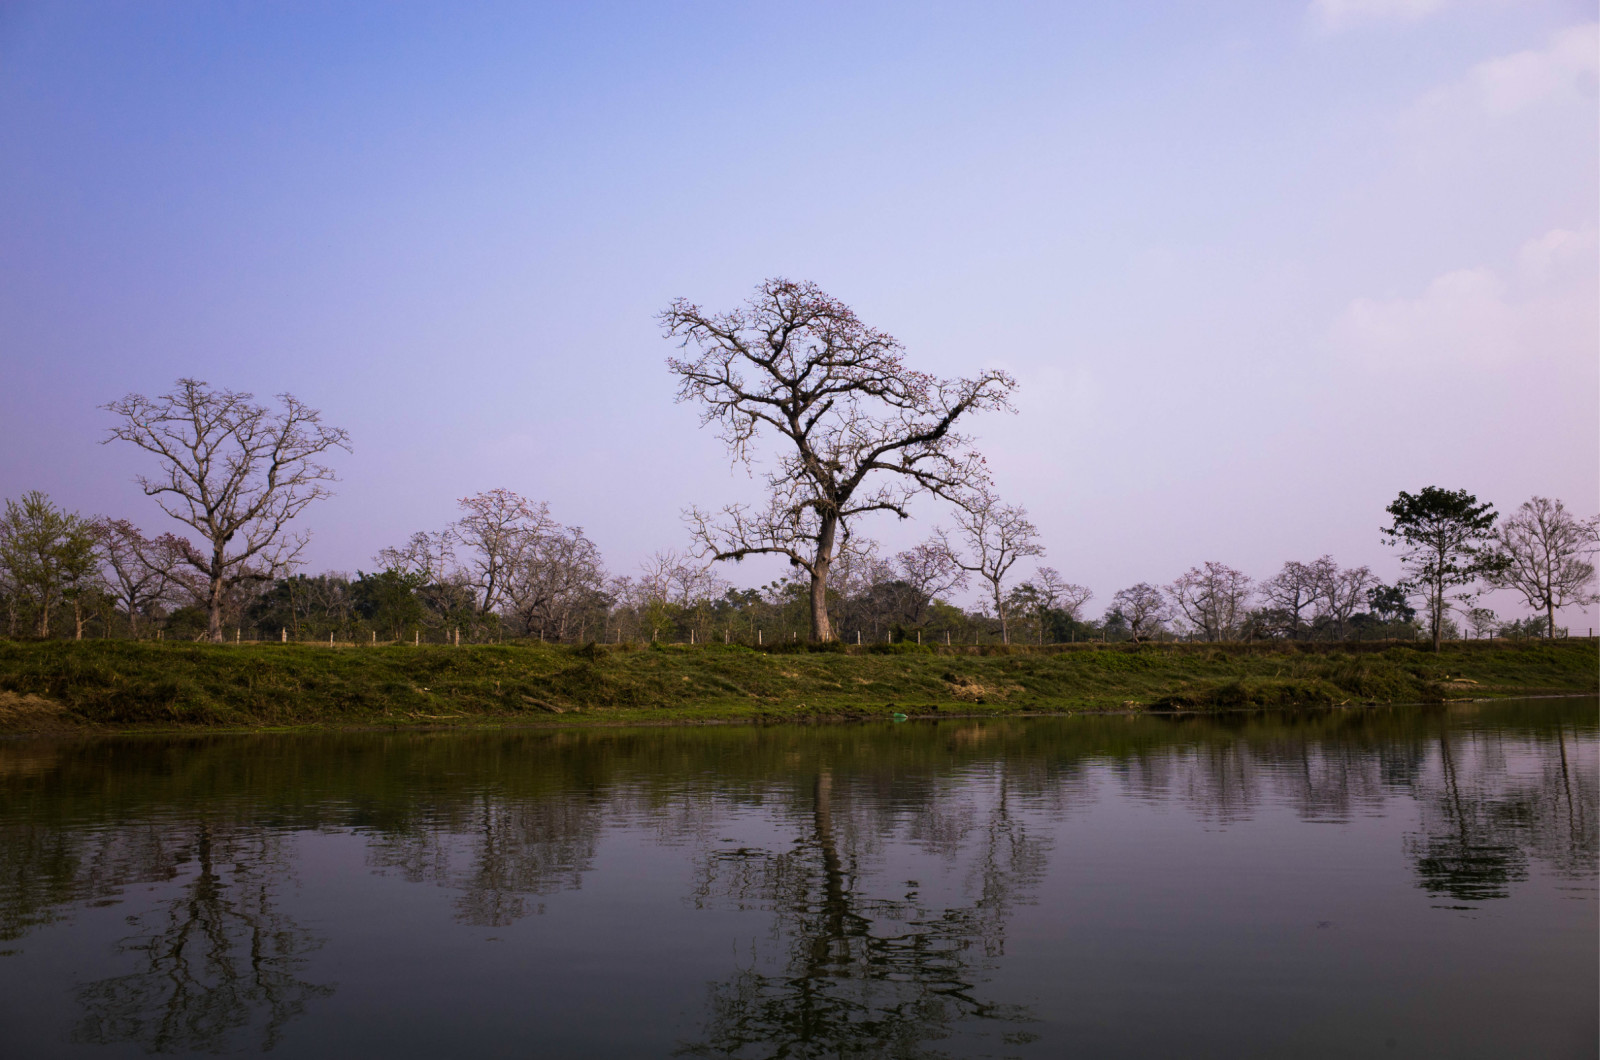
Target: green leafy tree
{"points": [[1446, 538], [1390, 603], [388, 599], [48, 553]]}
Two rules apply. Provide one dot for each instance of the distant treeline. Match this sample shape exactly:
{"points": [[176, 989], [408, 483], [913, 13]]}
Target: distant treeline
{"points": [[506, 571]]}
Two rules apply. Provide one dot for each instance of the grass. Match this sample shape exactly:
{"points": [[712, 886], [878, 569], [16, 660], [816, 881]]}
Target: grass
{"points": [[60, 684]]}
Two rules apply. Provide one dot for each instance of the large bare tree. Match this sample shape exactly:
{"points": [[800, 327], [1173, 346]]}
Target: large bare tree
{"points": [[236, 472], [857, 431], [990, 537], [1212, 598], [1546, 554]]}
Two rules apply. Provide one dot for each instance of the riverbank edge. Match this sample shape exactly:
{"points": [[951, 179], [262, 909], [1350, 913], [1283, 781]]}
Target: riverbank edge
{"points": [[125, 687], [591, 722]]}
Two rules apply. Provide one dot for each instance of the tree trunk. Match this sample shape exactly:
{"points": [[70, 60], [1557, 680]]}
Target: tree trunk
{"points": [[1550, 618], [821, 627], [214, 600]]}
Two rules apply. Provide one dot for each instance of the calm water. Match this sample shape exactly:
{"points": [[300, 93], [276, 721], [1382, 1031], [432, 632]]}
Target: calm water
{"points": [[1406, 882]]}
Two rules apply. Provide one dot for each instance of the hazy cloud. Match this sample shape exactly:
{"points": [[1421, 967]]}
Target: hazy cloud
{"points": [[1567, 67], [1541, 306], [1334, 15]]}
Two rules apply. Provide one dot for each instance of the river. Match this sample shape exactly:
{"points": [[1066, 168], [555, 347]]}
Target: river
{"points": [[1407, 881]]}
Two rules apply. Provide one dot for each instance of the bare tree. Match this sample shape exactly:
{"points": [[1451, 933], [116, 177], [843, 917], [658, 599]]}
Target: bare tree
{"points": [[140, 571], [498, 527], [1059, 594], [1545, 554], [234, 471], [901, 590], [670, 585], [1048, 591], [1340, 591], [554, 578], [929, 570], [1143, 606], [1292, 591], [1212, 598], [860, 432], [991, 537], [426, 555]]}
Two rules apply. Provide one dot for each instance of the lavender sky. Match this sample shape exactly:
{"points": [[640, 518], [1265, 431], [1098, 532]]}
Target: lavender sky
{"points": [[1257, 266]]}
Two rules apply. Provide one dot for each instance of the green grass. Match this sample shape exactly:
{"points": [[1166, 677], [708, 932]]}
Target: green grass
{"points": [[122, 683]]}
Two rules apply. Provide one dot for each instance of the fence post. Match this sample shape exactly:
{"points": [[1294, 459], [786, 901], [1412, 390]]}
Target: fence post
{"points": [[758, 636], [858, 638], [919, 638], [283, 635], [237, 633], [416, 638], [691, 635], [374, 638], [724, 636], [330, 640]]}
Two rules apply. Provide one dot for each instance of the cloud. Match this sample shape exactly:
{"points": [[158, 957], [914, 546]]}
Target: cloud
{"points": [[1567, 67], [1335, 15], [1541, 306], [1565, 70]]}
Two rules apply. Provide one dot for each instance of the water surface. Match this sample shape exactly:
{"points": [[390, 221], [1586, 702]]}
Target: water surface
{"points": [[1410, 881]]}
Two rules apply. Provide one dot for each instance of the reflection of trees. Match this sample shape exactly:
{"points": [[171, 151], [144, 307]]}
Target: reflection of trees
{"points": [[44, 868], [862, 974], [1483, 820], [220, 965], [514, 849], [856, 964], [1463, 849], [1492, 798]]}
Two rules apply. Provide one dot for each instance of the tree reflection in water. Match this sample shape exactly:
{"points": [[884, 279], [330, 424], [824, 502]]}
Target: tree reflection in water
{"points": [[861, 974], [848, 961], [219, 966], [515, 849], [1483, 818]]}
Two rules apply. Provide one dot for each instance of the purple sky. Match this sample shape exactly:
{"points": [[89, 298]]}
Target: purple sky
{"points": [[1257, 266]]}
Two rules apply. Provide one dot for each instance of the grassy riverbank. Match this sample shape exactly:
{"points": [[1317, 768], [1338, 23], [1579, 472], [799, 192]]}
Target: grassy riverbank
{"points": [[93, 684]]}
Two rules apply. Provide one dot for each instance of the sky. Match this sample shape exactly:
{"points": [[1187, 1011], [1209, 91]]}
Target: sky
{"points": [[1257, 267]]}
